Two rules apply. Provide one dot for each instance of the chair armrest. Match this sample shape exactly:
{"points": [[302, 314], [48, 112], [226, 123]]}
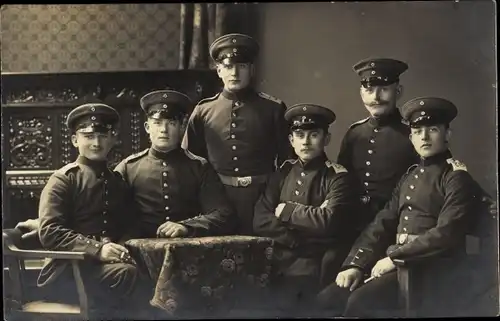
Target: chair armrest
{"points": [[41, 254], [11, 237]]}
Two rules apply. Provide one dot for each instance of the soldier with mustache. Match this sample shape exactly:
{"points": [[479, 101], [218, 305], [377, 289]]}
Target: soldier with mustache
{"points": [[376, 149]]}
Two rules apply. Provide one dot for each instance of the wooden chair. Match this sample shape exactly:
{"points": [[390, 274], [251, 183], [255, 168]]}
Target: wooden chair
{"points": [[16, 304], [482, 238]]}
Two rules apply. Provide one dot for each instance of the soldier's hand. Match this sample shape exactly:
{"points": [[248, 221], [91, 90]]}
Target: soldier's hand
{"points": [[349, 278], [114, 253], [171, 229], [31, 225], [382, 267], [279, 209]]}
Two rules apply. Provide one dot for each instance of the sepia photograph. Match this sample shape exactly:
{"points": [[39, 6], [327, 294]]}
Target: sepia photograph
{"points": [[249, 160]]}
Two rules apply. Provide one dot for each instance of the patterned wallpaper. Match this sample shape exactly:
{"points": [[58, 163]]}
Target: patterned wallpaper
{"points": [[95, 37]]}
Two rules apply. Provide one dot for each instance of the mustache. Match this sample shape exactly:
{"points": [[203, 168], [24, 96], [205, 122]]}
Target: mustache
{"points": [[379, 102]]}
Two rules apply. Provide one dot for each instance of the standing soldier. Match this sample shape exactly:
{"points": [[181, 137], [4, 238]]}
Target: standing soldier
{"points": [[175, 194], [241, 132], [433, 208], [308, 207], [376, 149], [81, 209]]}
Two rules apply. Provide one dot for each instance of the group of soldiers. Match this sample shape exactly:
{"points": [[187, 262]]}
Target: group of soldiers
{"points": [[244, 163]]}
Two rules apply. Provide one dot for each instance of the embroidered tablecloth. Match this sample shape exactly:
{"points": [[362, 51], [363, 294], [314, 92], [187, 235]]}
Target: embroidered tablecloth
{"points": [[206, 276]]}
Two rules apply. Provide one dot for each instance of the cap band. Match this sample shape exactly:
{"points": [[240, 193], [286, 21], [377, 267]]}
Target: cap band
{"points": [[378, 81]]}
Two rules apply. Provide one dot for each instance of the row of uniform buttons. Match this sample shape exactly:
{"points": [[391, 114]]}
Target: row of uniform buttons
{"points": [[300, 183], [408, 197], [368, 161], [232, 135], [166, 197], [106, 203]]}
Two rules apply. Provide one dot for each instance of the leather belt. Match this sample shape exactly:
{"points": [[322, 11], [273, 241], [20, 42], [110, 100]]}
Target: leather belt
{"points": [[242, 181], [405, 238]]}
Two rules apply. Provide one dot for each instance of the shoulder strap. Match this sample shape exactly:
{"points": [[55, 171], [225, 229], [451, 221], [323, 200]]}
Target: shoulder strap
{"points": [[411, 168], [68, 167], [364, 120], [204, 100], [269, 97], [289, 161], [195, 157], [336, 167], [136, 156], [456, 164]]}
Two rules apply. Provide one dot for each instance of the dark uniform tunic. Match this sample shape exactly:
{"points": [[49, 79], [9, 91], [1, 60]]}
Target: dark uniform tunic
{"points": [[243, 134], [426, 221], [81, 208], [177, 187], [313, 226], [378, 152]]}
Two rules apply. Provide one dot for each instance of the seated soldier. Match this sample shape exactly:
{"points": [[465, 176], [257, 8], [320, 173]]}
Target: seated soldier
{"points": [[81, 209], [426, 222], [308, 208], [174, 193]]}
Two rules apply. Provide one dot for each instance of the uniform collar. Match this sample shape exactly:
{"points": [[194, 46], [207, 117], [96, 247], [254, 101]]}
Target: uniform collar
{"points": [[392, 118], [162, 155], [436, 159], [97, 166], [314, 163], [240, 94]]}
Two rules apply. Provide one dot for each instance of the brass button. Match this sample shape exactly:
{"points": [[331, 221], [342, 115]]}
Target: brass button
{"points": [[297, 192], [167, 218], [421, 170], [408, 197], [299, 182], [236, 169], [370, 151], [235, 158], [368, 163], [233, 125], [406, 218], [412, 186], [167, 208], [233, 136], [367, 174], [303, 174], [410, 208], [372, 141], [165, 184], [416, 176], [165, 197], [234, 147], [164, 174], [164, 163], [366, 183]]}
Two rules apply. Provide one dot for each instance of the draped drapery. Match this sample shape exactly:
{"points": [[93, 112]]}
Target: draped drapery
{"points": [[201, 24]]}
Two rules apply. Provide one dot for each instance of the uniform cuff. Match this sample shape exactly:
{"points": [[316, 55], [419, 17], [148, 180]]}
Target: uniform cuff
{"points": [[361, 259], [93, 248], [287, 212]]}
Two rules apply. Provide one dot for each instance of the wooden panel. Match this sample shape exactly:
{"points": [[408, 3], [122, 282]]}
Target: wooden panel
{"points": [[34, 110]]}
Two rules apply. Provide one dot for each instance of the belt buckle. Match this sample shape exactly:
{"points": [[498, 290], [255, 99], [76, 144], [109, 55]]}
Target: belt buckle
{"points": [[365, 199], [245, 181], [402, 238]]}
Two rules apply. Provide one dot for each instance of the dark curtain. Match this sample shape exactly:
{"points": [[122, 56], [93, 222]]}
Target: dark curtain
{"points": [[201, 24]]}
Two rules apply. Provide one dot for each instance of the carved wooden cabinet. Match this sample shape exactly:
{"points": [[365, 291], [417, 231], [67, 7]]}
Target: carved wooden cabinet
{"points": [[35, 140]]}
